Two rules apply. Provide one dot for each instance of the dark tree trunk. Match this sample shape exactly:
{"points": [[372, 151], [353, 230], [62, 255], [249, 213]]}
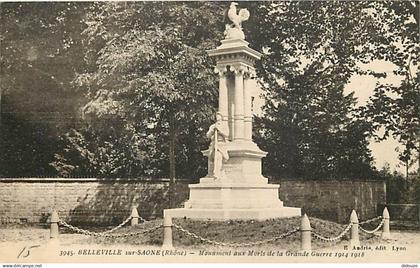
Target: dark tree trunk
{"points": [[418, 154], [172, 160]]}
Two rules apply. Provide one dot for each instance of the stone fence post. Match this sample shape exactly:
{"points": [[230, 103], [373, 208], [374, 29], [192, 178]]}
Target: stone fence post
{"points": [[354, 235], [134, 216], [305, 233], [167, 232], [385, 229], [54, 224]]}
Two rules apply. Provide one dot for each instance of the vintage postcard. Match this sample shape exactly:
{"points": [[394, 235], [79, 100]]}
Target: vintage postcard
{"points": [[209, 132]]}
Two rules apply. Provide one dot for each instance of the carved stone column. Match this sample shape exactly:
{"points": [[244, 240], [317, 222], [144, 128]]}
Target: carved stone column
{"points": [[223, 93], [248, 87], [239, 102]]}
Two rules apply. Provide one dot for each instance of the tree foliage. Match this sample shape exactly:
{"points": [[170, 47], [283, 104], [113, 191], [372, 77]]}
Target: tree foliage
{"points": [[395, 108], [310, 127], [149, 93], [39, 54], [149, 71]]}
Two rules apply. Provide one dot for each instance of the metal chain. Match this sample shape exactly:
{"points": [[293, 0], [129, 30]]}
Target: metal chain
{"points": [[332, 239], [119, 226], [77, 229], [193, 235], [107, 234], [374, 230], [143, 220], [74, 228], [154, 228], [371, 220]]}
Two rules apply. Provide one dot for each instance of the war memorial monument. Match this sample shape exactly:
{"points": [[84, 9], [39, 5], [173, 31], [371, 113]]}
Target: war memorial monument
{"points": [[234, 187]]}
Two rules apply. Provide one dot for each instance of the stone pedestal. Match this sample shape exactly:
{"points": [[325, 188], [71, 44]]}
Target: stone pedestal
{"points": [[242, 192]]}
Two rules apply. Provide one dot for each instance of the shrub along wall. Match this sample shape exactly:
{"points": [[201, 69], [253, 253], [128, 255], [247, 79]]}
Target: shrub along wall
{"points": [[110, 201]]}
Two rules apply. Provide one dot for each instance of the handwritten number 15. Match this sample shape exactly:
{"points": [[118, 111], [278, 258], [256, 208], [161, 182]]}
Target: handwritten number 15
{"points": [[26, 251]]}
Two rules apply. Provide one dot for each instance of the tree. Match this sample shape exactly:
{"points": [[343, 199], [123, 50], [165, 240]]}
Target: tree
{"points": [[346, 35], [39, 44], [310, 128], [151, 94], [309, 131], [149, 71], [395, 107]]}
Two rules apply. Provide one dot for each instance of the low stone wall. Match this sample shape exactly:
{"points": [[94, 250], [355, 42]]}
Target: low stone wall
{"points": [[110, 201], [333, 199], [84, 200]]}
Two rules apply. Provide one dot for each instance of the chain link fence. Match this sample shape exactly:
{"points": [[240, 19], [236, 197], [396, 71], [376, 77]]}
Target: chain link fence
{"points": [[110, 233], [305, 228], [374, 230], [332, 239], [370, 221], [235, 245]]}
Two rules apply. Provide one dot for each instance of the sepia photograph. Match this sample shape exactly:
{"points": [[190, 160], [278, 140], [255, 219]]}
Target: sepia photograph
{"points": [[209, 132]]}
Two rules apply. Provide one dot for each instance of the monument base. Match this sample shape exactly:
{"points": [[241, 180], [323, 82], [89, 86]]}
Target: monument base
{"points": [[233, 201], [232, 214], [242, 192]]}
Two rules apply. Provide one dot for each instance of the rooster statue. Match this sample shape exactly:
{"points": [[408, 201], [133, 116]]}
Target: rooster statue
{"points": [[234, 29]]}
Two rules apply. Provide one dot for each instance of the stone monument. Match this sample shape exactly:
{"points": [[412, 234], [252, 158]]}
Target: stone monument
{"points": [[234, 187]]}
